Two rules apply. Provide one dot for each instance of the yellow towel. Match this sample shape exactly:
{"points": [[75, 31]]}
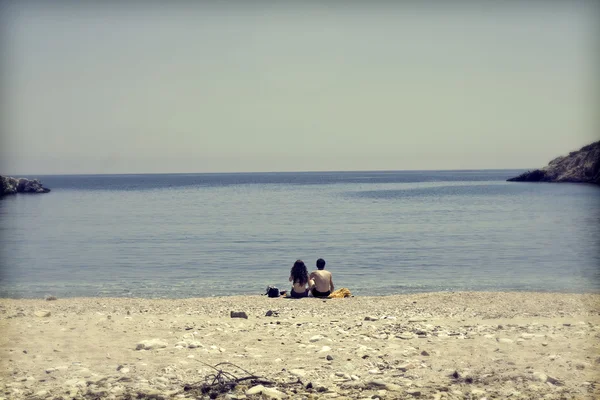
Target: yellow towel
{"points": [[340, 294]]}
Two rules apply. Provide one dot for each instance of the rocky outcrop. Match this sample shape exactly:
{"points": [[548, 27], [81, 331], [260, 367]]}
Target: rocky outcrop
{"points": [[579, 166], [9, 185]]}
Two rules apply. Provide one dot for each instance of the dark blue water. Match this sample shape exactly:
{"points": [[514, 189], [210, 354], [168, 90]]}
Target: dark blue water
{"points": [[186, 235]]}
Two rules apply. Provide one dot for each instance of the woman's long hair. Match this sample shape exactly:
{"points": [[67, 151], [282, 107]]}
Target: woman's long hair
{"points": [[299, 273]]}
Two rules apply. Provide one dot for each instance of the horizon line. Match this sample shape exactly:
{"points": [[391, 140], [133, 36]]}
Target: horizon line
{"points": [[271, 172]]}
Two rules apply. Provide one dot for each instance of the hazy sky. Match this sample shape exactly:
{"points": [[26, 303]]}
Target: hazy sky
{"points": [[293, 86]]}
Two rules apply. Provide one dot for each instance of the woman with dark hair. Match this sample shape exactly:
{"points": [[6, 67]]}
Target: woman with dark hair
{"points": [[299, 279]]}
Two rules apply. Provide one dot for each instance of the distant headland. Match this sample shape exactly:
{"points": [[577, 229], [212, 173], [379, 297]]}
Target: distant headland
{"points": [[9, 185], [582, 166]]}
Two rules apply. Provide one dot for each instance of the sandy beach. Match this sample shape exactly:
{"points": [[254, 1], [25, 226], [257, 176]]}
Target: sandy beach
{"points": [[469, 345]]}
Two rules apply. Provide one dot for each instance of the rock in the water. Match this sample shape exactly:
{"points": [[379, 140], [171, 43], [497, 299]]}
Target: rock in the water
{"points": [[151, 344], [238, 314], [579, 166], [9, 185]]}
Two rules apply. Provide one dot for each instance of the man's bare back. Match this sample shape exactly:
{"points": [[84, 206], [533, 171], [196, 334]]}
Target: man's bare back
{"points": [[320, 281], [323, 280]]}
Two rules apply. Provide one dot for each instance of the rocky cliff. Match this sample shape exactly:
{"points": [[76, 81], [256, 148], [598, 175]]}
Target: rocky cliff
{"points": [[9, 185], [579, 166]]}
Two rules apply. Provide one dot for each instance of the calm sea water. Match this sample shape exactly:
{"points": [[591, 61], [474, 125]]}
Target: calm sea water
{"points": [[187, 235]]}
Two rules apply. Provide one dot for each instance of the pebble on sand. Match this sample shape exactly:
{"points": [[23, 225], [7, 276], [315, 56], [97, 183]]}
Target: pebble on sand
{"points": [[42, 313], [151, 344], [270, 393], [238, 314]]}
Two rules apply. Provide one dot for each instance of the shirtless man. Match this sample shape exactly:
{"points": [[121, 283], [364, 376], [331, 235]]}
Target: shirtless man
{"points": [[321, 282]]}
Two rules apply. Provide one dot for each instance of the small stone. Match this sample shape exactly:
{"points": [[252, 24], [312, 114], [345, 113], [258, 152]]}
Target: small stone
{"points": [[414, 392], [271, 393], [554, 381], [405, 336], [329, 357], [505, 340], [417, 319], [325, 349], [355, 385], [42, 313], [238, 314], [50, 370], [540, 376], [269, 313], [298, 372], [378, 383], [316, 338], [255, 390], [544, 344], [371, 318], [527, 336], [405, 367], [151, 344], [50, 298], [424, 353]]}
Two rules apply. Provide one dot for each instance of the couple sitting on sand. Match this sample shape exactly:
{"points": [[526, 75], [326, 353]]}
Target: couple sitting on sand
{"points": [[319, 282]]}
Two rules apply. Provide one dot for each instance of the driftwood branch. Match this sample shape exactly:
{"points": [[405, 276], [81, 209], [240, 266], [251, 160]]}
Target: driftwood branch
{"points": [[223, 381]]}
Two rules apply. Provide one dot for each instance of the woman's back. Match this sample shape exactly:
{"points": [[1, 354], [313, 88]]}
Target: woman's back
{"points": [[299, 279]]}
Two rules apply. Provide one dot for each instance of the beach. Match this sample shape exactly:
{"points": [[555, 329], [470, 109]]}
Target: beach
{"points": [[433, 345]]}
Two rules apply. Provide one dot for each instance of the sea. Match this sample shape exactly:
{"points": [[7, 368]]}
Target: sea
{"points": [[221, 234]]}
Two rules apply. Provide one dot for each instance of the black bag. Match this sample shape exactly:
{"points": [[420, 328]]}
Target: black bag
{"points": [[272, 291]]}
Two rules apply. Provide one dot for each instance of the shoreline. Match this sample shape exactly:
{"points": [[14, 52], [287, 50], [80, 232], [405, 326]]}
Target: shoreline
{"points": [[256, 294], [427, 345]]}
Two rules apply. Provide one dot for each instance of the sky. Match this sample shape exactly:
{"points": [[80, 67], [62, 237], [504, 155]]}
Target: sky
{"points": [[97, 87]]}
